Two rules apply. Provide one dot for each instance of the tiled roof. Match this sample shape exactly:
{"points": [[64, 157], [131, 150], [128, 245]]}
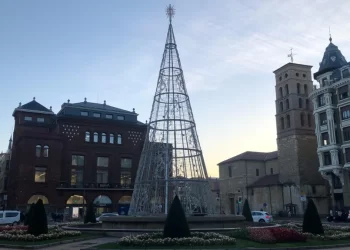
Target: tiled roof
{"points": [[252, 156], [267, 180], [100, 106], [33, 106]]}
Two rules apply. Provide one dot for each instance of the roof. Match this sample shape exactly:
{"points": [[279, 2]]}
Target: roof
{"points": [[100, 106], [332, 59], [266, 181], [33, 107], [252, 156], [291, 64]]}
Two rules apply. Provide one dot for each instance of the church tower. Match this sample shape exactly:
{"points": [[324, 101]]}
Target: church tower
{"points": [[296, 140]]}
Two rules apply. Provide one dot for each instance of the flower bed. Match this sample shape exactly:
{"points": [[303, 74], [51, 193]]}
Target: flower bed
{"points": [[19, 233], [196, 239]]}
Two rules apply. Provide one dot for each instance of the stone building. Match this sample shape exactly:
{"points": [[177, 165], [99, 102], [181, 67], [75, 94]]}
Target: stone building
{"points": [[5, 159], [294, 176], [87, 152], [332, 118]]}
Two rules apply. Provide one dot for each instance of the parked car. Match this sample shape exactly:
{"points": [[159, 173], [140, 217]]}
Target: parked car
{"points": [[261, 216], [10, 217], [106, 215]]}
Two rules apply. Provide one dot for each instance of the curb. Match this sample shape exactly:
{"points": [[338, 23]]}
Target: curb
{"points": [[48, 244]]}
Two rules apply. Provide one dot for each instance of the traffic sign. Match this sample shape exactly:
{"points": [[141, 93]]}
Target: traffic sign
{"points": [[303, 198]]}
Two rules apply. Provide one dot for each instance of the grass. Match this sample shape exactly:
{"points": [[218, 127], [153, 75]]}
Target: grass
{"points": [[42, 242], [240, 244]]}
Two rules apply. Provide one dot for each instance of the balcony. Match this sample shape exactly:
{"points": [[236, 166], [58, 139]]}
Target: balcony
{"points": [[94, 186]]}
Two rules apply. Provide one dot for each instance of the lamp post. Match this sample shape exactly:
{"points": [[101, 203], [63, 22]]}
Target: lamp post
{"points": [[218, 198]]}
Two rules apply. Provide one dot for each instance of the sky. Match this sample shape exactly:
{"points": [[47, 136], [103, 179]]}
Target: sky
{"points": [[112, 50]]}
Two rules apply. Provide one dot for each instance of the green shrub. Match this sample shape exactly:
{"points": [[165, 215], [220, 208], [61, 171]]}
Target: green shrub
{"points": [[29, 215], [90, 214], [312, 222], [176, 225], [246, 211], [38, 223], [241, 233]]}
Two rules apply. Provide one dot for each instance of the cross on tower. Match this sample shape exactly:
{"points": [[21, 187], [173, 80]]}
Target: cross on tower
{"points": [[291, 55], [170, 12]]}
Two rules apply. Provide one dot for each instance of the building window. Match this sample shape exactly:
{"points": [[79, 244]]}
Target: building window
{"points": [[109, 116], [103, 138], [271, 170], [347, 154], [346, 133], [309, 120], [78, 160], [102, 161], [305, 89], [285, 75], [97, 115], [102, 176], [28, 118], [38, 150], [313, 189], [340, 157], [125, 179], [46, 151], [77, 177], [323, 118], [300, 103], [345, 112], [327, 159], [288, 121], [343, 92], [257, 172], [111, 138], [87, 136], [304, 75], [302, 119], [40, 119], [287, 104], [281, 106], [119, 139], [298, 88], [126, 163], [95, 137], [325, 139], [229, 171], [84, 113], [307, 104], [346, 73], [297, 74], [321, 100], [120, 118], [40, 175], [282, 123], [287, 89], [324, 82], [281, 92]]}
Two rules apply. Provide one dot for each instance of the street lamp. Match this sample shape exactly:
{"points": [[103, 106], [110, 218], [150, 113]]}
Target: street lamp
{"points": [[218, 198]]}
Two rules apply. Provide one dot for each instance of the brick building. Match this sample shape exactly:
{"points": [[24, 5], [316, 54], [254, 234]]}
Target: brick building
{"points": [[87, 152]]}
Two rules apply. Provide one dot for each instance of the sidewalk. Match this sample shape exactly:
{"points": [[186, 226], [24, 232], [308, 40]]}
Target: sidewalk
{"points": [[77, 245]]}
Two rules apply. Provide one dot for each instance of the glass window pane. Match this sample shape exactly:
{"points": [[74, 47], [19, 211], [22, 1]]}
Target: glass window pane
{"points": [[95, 137], [40, 174], [126, 163], [102, 176], [119, 139], [38, 150], [125, 178], [98, 115], [109, 116], [28, 118], [40, 119], [84, 113], [78, 160], [111, 138], [104, 138], [46, 151], [87, 136], [102, 161]]}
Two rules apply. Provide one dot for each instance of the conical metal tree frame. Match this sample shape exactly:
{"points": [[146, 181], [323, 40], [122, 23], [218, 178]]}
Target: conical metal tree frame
{"points": [[171, 161]]}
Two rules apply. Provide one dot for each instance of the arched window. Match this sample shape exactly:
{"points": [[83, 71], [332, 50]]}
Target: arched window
{"points": [[282, 123], [38, 150], [287, 89], [95, 137], [307, 104], [288, 121], [111, 138], [76, 200], [305, 89], [104, 138], [302, 119], [309, 120], [287, 104], [87, 136], [300, 103], [36, 197], [102, 201], [298, 88], [46, 151], [281, 106], [119, 139], [281, 92]]}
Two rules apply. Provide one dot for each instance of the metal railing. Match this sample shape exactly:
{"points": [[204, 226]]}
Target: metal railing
{"points": [[92, 185]]}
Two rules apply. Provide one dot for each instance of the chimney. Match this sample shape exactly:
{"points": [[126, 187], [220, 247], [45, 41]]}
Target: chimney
{"points": [[85, 99]]}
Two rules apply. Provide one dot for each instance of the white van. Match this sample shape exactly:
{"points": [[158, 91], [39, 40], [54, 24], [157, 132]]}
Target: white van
{"points": [[10, 217]]}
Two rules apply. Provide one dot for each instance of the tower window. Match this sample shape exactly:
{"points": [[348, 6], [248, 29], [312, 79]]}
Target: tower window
{"points": [[304, 75], [297, 74], [282, 123], [305, 89], [347, 154], [287, 89], [288, 121], [285, 75], [271, 170], [229, 171], [345, 112], [325, 139], [300, 103], [324, 82], [309, 120], [84, 113], [346, 133], [281, 106], [280, 78], [298, 88], [307, 104], [327, 158], [287, 104], [323, 118], [343, 92], [281, 92], [302, 120], [321, 100], [346, 73]]}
